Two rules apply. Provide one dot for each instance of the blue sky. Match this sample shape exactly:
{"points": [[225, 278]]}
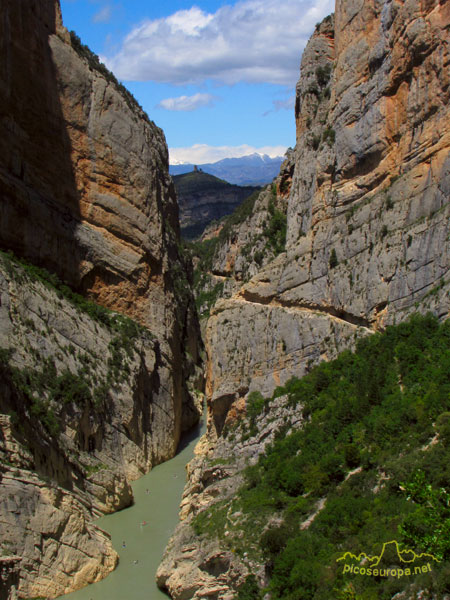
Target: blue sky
{"points": [[217, 75]]}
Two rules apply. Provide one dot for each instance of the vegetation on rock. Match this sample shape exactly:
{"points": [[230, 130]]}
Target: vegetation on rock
{"points": [[46, 389], [204, 199], [370, 464], [123, 325]]}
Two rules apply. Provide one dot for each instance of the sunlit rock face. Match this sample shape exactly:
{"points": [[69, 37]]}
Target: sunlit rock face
{"points": [[85, 193], [367, 189], [368, 205]]}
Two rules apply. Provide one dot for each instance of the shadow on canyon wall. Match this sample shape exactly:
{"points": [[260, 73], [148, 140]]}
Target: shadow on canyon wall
{"points": [[39, 209]]}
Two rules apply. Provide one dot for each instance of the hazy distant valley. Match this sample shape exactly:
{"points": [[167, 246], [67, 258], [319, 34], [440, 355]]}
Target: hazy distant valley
{"points": [[254, 169]]}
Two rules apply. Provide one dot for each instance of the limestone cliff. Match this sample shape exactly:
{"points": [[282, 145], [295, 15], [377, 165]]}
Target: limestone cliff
{"points": [[85, 188], [204, 567], [367, 201], [367, 212], [233, 250], [90, 399]]}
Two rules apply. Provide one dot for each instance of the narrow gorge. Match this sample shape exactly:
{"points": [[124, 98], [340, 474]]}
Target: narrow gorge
{"points": [[111, 330], [351, 238]]}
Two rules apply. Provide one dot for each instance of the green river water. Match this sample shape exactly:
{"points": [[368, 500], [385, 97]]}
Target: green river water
{"points": [[144, 543]]}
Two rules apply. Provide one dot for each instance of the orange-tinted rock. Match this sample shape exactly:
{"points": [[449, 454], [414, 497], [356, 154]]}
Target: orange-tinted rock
{"points": [[85, 190], [85, 193], [368, 206]]}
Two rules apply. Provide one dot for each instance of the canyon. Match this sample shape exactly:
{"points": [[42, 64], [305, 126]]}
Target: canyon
{"points": [[101, 347]]}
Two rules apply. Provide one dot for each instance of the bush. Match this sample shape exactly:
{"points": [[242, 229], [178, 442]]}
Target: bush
{"points": [[249, 590], [314, 141], [428, 527], [274, 540], [373, 408], [323, 75], [333, 261], [329, 136], [443, 427], [275, 230], [254, 405]]}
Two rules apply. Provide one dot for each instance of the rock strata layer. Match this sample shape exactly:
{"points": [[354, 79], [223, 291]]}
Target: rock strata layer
{"points": [[367, 207], [79, 419], [199, 568], [366, 193], [86, 191], [90, 400]]}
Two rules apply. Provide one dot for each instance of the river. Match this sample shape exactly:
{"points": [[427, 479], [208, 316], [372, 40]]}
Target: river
{"points": [[158, 508]]}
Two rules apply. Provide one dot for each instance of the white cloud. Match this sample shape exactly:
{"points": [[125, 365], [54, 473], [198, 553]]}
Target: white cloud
{"points": [[287, 104], [202, 153], [253, 40], [189, 22], [103, 15], [188, 103]]}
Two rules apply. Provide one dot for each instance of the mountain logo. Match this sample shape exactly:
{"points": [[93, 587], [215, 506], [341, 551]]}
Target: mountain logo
{"points": [[391, 562]]}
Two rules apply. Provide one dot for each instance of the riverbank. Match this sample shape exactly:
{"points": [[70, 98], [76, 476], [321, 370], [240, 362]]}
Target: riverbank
{"points": [[140, 533]]}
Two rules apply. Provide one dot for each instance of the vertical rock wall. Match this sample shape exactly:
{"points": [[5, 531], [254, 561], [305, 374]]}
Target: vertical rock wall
{"points": [[86, 405], [85, 191], [368, 208], [367, 244]]}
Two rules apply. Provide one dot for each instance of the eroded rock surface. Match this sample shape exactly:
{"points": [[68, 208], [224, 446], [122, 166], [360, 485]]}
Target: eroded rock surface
{"points": [[88, 402], [86, 191], [215, 565], [368, 205], [367, 191], [79, 419]]}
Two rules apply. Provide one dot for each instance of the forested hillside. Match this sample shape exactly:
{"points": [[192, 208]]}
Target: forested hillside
{"points": [[354, 455]]}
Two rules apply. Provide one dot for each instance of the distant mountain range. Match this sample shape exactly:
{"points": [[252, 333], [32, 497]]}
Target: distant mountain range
{"points": [[254, 169]]}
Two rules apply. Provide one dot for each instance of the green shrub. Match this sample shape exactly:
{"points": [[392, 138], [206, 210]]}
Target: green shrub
{"points": [[275, 230], [249, 590], [254, 405], [323, 75], [443, 427], [428, 527], [314, 141], [329, 136], [333, 261], [373, 409]]}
